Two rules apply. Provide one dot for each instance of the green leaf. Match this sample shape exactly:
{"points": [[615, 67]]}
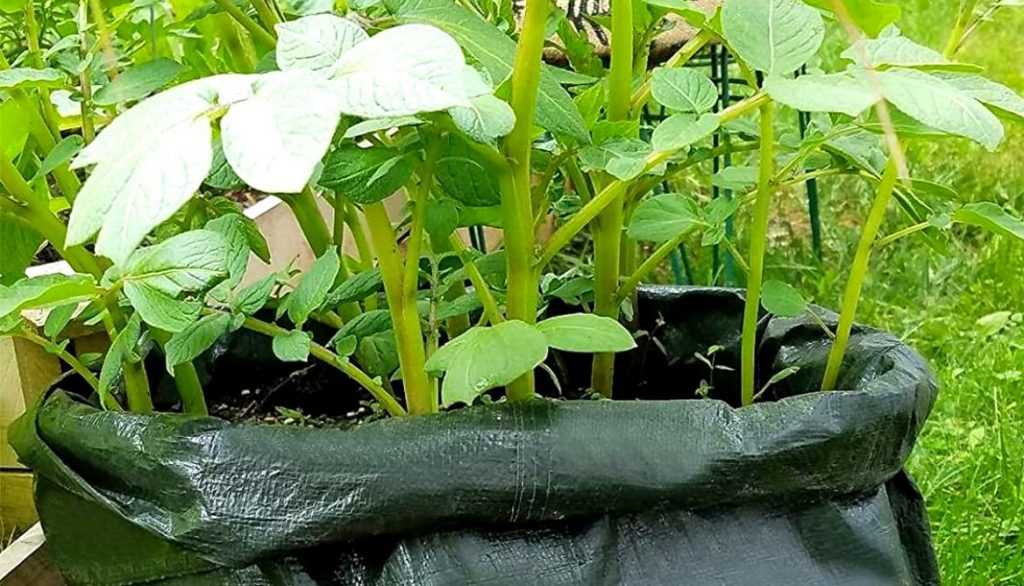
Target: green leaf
{"points": [[189, 262], [366, 175], [685, 90], [122, 349], [464, 176], [401, 71], [664, 217], [130, 191], [253, 297], [346, 346], [221, 175], [357, 287], [365, 324], [65, 150], [316, 42], [160, 309], [848, 93], [586, 332], [18, 244], [894, 50], [991, 217], [625, 159], [442, 218], [485, 119], [186, 345], [24, 77], [870, 16], [46, 291], [735, 178], [138, 81], [231, 226], [58, 319], [987, 92], [378, 354], [275, 139], [292, 347], [935, 103], [774, 36], [461, 305], [682, 130], [487, 358], [495, 52], [782, 299], [313, 288]]}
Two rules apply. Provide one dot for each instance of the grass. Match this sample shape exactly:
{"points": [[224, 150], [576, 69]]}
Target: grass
{"points": [[970, 460]]}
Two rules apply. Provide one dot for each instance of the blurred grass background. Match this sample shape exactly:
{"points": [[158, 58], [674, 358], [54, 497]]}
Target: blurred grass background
{"points": [[970, 460]]}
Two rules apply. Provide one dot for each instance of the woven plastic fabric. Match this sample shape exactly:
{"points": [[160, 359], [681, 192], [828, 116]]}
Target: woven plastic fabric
{"points": [[805, 488]]}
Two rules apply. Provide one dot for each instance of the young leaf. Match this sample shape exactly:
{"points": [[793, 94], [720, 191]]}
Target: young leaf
{"points": [[682, 130], [292, 347], [991, 217], [848, 93], [685, 90], [378, 354], [357, 287], [160, 309], [58, 319], [492, 357], [121, 350], [586, 332], [894, 50], [221, 175], [782, 299], [735, 178], [65, 150], [442, 218], [253, 297], [313, 288], [316, 42], [624, 159], [366, 175], [24, 77], [485, 118], [46, 291], [774, 36], [664, 217], [189, 262], [463, 176], [18, 244], [231, 226], [345, 346], [138, 81], [401, 71], [365, 324], [192, 341], [275, 139], [935, 103]]}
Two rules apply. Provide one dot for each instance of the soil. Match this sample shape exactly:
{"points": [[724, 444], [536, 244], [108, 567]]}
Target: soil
{"points": [[46, 255]]}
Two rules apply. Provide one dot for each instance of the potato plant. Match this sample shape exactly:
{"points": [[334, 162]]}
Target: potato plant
{"points": [[432, 100]]}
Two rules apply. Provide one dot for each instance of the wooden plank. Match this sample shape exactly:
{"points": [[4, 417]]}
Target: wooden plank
{"points": [[25, 563], [26, 370], [17, 508]]}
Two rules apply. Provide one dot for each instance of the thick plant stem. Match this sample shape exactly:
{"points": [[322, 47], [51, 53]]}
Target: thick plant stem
{"points": [[608, 231], [311, 221], [88, 125], [186, 380], [516, 200], [420, 397], [858, 273], [758, 243]]}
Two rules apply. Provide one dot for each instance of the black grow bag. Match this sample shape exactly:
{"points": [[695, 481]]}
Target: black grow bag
{"points": [[807, 489]]}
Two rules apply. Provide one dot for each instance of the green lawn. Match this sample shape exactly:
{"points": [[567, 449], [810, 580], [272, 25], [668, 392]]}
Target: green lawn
{"points": [[970, 461]]}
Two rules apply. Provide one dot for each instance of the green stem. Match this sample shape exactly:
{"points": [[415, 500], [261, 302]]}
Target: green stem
{"points": [[758, 243], [458, 324], [88, 124], [645, 268], [49, 113], [258, 32], [516, 200], [405, 319], [956, 35], [186, 380], [359, 235], [75, 364], [321, 353], [266, 14], [858, 273], [311, 221], [414, 248], [492, 312], [897, 235]]}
